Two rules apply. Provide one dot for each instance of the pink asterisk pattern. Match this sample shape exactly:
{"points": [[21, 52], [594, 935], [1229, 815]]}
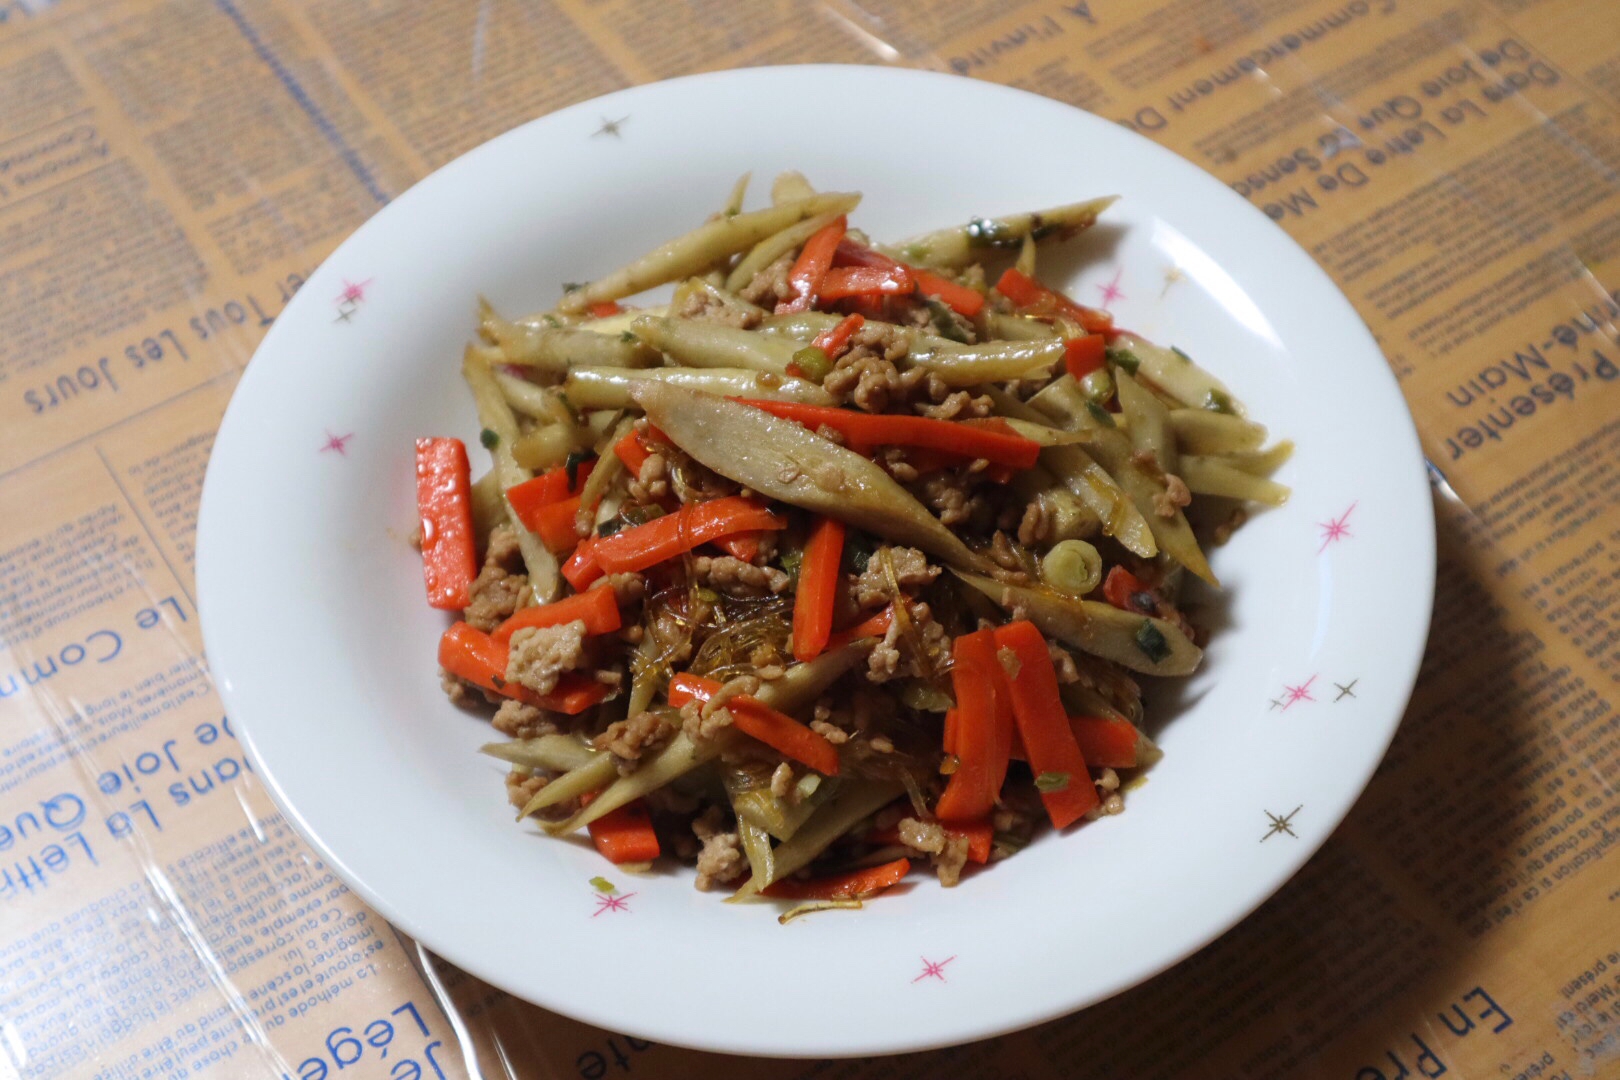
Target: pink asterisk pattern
{"points": [[1293, 695], [352, 293], [932, 970], [1110, 292], [612, 903], [337, 444], [1334, 529]]}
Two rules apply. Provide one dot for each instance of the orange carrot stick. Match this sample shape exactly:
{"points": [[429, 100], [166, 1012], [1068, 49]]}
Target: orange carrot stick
{"points": [[1060, 768], [819, 578], [854, 884], [444, 500], [641, 546], [473, 655], [598, 608]]}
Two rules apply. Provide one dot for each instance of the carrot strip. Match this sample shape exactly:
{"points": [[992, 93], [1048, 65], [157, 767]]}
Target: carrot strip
{"points": [[597, 608], [532, 496], [632, 453], [604, 308], [444, 500], [959, 298], [979, 834], [952, 724], [855, 883], [758, 720], [1121, 587], [641, 546], [1106, 742], [819, 577], [842, 282], [876, 626], [744, 546], [554, 525], [624, 835], [582, 569], [982, 736], [473, 655], [832, 342], [1029, 294], [885, 429], [814, 260], [1083, 355], [1053, 753]]}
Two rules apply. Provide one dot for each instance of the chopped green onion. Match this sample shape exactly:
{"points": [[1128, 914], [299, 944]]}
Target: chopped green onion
{"points": [[944, 320], [813, 362], [1098, 386], [574, 286], [1100, 414], [708, 595], [627, 337], [602, 884], [1049, 782], [791, 561], [1218, 401], [859, 557], [1122, 358], [551, 321], [1151, 641], [572, 464], [489, 438], [609, 527]]}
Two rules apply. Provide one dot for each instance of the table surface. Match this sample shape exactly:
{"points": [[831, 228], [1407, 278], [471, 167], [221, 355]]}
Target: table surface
{"points": [[1454, 166]]}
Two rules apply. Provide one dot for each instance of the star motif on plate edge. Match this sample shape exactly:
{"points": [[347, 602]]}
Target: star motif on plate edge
{"points": [[1282, 823], [1334, 530], [610, 127], [337, 444], [933, 969]]}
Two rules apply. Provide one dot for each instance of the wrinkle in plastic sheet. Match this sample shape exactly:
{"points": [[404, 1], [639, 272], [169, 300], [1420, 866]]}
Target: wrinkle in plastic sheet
{"points": [[158, 918]]}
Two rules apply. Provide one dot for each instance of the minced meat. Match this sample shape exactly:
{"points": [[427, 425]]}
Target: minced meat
{"points": [[733, 576], [501, 586], [518, 720], [521, 787], [540, 655], [705, 306], [628, 739], [911, 569], [770, 286], [958, 405], [461, 692], [924, 647], [721, 859], [1174, 496]]}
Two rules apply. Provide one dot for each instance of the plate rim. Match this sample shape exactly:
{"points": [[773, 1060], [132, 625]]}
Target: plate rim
{"points": [[207, 566]]}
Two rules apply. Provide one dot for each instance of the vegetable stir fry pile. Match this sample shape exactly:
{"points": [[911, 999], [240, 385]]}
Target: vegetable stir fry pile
{"points": [[848, 558]]}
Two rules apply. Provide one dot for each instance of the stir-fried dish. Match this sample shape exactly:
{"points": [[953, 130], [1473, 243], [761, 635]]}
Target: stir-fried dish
{"points": [[851, 556]]}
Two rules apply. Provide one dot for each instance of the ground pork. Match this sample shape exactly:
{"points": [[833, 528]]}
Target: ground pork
{"points": [[911, 570], [1063, 664], [734, 577], [541, 655], [835, 735], [1035, 527], [704, 305], [628, 739], [1174, 496], [893, 460], [782, 780], [941, 320], [463, 693], [924, 648], [948, 853], [652, 480], [770, 285], [871, 383], [958, 405], [521, 787], [628, 588], [700, 726], [721, 859], [949, 494], [501, 585], [517, 720]]}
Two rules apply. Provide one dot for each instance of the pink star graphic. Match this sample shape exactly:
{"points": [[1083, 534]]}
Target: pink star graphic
{"points": [[612, 903], [1110, 292], [1302, 692], [337, 443], [1334, 530], [352, 293], [932, 970]]}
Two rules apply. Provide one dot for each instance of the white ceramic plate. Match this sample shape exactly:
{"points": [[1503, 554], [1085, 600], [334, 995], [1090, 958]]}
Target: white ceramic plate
{"points": [[324, 649]]}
